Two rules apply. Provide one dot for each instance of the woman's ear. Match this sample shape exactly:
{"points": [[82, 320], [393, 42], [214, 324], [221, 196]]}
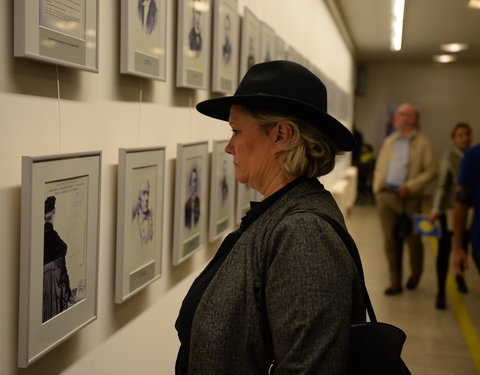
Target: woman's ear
{"points": [[283, 133]]}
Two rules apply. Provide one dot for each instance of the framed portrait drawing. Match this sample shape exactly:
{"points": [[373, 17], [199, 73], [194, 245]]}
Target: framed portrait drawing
{"points": [[144, 36], [267, 42], [141, 177], [250, 41], [191, 196], [222, 191], [61, 32], [245, 195], [59, 250], [225, 46], [193, 43]]}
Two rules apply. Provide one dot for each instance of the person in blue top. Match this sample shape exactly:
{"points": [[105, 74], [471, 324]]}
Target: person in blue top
{"points": [[468, 194]]}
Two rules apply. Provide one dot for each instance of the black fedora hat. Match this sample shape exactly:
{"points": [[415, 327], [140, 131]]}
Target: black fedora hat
{"points": [[288, 88]]}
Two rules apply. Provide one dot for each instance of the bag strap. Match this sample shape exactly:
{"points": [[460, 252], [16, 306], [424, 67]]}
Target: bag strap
{"points": [[353, 250]]}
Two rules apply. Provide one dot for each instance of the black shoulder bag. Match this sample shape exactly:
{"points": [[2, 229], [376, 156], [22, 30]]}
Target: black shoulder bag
{"points": [[375, 347]]}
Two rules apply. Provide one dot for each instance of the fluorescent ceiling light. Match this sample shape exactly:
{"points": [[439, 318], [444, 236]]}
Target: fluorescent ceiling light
{"points": [[474, 4], [398, 9], [454, 47], [444, 58]]}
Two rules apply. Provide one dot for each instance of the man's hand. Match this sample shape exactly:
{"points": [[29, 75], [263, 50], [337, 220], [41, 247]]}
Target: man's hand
{"points": [[403, 190], [460, 261]]}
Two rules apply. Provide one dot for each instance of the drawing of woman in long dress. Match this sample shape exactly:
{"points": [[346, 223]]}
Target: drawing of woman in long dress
{"points": [[57, 295]]}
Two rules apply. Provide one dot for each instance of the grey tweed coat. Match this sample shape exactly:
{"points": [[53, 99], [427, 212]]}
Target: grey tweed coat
{"points": [[290, 272]]}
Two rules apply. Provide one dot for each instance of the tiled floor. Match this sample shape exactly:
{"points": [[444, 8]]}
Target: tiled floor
{"points": [[435, 343]]}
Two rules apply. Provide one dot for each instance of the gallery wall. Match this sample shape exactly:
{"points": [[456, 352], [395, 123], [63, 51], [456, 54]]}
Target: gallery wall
{"points": [[47, 109]]}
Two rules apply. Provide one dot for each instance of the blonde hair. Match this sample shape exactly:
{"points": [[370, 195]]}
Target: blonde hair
{"points": [[310, 152]]}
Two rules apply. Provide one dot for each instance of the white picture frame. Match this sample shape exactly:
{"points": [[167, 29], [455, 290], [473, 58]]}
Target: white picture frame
{"points": [[280, 48], [60, 32], [58, 250], [250, 41], [193, 43], [226, 46], [293, 55], [267, 42], [245, 195], [222, 191], [191, 197], [141, 179], [144, 38]]}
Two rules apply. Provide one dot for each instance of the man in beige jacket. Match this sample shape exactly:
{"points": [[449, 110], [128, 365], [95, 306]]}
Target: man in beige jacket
{"points": [[405, 164]]}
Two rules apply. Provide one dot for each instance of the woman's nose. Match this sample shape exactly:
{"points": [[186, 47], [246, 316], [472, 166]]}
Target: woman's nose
{"points": [[229, 147]]}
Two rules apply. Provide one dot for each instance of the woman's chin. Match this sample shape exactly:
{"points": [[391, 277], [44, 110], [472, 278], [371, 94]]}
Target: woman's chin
{"points": [[242, 179]]}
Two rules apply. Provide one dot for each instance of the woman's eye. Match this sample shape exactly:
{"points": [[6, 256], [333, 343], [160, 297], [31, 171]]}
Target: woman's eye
{"points": [[235, 131]]}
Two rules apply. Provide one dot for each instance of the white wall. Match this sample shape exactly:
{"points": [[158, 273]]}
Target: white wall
{"points": [[102, 112]]}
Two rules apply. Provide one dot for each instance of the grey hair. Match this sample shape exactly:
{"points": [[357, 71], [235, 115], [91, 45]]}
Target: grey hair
{"points": [[310, 152]]}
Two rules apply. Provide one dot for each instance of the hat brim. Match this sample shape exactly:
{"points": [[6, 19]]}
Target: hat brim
{"points": [[219, 108]]}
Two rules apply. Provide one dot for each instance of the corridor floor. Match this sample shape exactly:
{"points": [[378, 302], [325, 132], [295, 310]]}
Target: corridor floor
{"points": [[439, 342]]}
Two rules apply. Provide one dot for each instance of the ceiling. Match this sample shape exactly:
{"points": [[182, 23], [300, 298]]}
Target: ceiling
{"points": [[427, 24]]}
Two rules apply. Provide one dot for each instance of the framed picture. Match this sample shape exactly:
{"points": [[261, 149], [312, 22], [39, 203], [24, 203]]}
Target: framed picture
{"points": [[293, 54], [267, 42], [193, 43], [61, 32], [191, 187], [225, 46], [59, 250], [250, 41], [222, 191], [144, 36], [245, 195], [141, 177], [280, 48]]}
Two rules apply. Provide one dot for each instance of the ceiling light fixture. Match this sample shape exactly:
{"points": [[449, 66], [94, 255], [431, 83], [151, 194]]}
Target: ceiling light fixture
{"points": [[474, 4], [398, 9], [454, 47], [444, 58]]}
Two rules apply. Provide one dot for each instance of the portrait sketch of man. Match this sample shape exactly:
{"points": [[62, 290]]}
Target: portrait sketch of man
{"points": [[195, 34], [148, 15], [192, 208], [142, 223], [64, 248], [227, 44], [192, 204]]}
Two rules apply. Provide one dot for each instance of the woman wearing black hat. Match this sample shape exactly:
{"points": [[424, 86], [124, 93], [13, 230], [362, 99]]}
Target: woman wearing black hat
{"points": [[283, 288]]}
